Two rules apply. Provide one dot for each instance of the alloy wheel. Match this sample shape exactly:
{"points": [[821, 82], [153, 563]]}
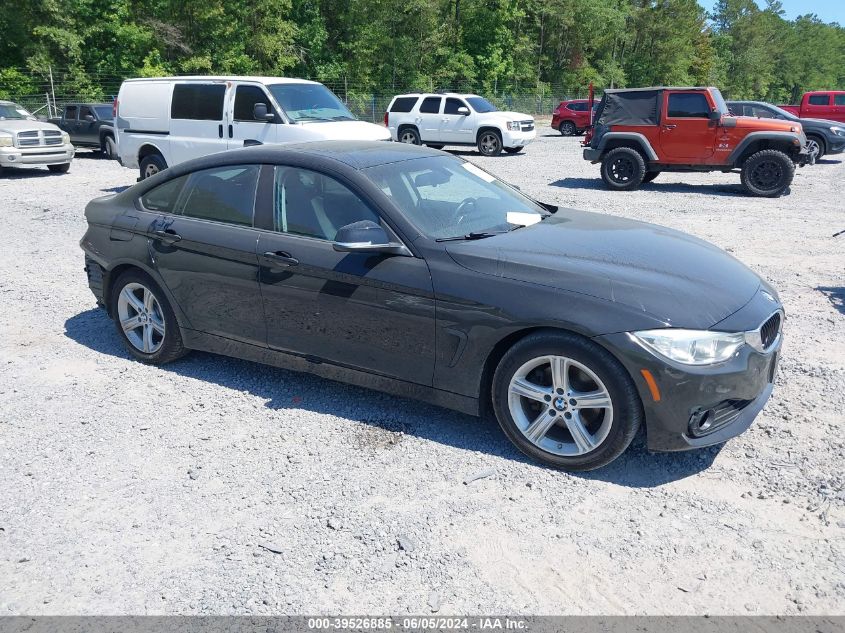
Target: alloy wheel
{"points": [[560, 405], [150, 170], [408, 137], [489, 143], [141, 318], [813, 146], [766, 175]]}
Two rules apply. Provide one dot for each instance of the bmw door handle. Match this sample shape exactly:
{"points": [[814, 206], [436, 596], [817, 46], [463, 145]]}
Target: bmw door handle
{"points": [[168, 236], [281, 258]]}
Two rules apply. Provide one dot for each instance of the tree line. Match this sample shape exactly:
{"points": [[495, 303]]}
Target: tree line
{"points": [[490, 46]]}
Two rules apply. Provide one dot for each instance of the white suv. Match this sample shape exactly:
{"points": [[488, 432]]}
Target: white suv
{"points": [[457, 119]]}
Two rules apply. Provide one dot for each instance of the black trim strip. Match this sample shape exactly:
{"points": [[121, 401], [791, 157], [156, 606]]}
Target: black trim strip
{"points": [[156, 132]]}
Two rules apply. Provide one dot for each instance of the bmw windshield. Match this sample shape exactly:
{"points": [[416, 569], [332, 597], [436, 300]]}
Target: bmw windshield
{"points": [[447, 198], [310, 102]]}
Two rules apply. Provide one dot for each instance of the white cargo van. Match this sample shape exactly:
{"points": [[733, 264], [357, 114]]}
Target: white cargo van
{"points": [[165, 121]]}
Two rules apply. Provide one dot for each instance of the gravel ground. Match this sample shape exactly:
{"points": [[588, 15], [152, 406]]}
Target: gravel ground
{"points": [[219, 486]]}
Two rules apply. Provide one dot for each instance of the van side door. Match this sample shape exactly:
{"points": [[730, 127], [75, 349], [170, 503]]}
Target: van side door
{"points": [[196, 120], [243, 128]]}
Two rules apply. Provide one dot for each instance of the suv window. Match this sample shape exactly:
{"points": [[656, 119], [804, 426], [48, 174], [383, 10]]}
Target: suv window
{"points": [[224, 194], [689, 105], [430, 105], [404, 104], [838, 99], [315, 205], [577, 107], [203, 102], [70, 112], [245, 99], [819, 100], [452, 105], [84, 111], [164, 197]]}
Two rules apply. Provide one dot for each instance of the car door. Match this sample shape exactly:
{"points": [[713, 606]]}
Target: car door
{"points": [[686, 131], [454, 126], [71, 124], [429, 119], [196, 120], [243, 129], [818, 106], [838, 107], [366, 311], [87, 130], [203, 247]]}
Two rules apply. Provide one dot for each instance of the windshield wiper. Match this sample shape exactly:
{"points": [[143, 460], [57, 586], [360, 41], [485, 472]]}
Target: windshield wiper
{"points": [[470, 236]]}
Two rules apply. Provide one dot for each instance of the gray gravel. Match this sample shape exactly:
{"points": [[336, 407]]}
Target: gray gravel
{"points": [[219, 486]]}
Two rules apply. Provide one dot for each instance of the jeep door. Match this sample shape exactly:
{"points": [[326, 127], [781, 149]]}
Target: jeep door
{"points": [[362, 310], [456, 127], [243, 129], [686, 132], [196, 120]]}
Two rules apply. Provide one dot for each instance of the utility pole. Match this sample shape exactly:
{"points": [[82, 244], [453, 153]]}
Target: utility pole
{"points": [[53, 92]]}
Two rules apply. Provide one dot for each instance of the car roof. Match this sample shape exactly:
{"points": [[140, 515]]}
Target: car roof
{"points": [[252, 78], [355, 154], [437, 94]]}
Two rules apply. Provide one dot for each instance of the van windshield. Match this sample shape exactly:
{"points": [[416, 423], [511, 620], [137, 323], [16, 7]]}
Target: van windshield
{"points": [[310, 102]]}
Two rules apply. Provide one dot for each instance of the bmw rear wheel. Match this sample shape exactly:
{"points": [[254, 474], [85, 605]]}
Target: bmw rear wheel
{"points": [[566, 401]]}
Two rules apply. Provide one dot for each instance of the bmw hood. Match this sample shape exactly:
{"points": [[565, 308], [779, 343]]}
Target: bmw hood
{"points": [[674, 277]]}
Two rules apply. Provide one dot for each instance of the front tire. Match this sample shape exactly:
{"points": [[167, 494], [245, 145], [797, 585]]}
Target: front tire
{"points": [[623, 169], [490, 143], [816, 143], [767, 173], [565, 401], [151, 165], [567, 128], [144, 319], [59, 169]]}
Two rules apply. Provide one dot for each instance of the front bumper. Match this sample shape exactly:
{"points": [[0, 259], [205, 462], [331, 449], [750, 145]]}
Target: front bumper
{"points": [[696, 407], [836, 145], [43, 155], [518, 139]]}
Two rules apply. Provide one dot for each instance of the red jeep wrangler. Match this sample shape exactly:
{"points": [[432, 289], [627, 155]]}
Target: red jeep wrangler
{"points": [[640, 132]]}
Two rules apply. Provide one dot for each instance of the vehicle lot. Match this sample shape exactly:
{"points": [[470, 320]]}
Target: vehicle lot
{"points": [[218, 486]]}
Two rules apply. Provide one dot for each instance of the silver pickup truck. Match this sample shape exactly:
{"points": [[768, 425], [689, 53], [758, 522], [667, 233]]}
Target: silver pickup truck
{"points": [[26, 141]]}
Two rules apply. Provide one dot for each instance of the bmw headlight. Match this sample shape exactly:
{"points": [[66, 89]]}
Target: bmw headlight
{"points": [[6, 140], [513, 126], [65, 138], [691, 347], [839, 131]]}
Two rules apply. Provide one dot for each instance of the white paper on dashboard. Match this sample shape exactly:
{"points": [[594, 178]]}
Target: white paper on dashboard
{"points": [[523, 218]]}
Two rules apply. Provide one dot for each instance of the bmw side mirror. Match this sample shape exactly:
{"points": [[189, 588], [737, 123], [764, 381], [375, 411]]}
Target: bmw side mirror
{"points": [[260, 113], [365, 237], [463, 111]]}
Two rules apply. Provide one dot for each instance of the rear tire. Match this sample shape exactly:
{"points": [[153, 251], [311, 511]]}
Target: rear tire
{"points": [[409, 135], [59, 169], [138, 300], [110, 148], [151, 165], [767, 173], [567, 128], [537, 403], [650, 175], [623, 169]]}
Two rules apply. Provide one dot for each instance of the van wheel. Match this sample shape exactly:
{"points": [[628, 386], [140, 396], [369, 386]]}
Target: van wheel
{"points": [[409, 135], [490, 143], [151, 165], [768, 173], [59, 169], [109, 148], [623, 169]]}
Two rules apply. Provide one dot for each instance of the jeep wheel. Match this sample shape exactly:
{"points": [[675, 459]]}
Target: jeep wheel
{"points": [[767, 173], [650, 175], [567, 128], [815, 144], [623, 169]]}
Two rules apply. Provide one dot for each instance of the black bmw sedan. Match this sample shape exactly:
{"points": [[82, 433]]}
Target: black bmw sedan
{"points": [[408, 270]]}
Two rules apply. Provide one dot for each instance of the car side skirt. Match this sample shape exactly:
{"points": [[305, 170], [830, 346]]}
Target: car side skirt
{"points": [[202, 341]]}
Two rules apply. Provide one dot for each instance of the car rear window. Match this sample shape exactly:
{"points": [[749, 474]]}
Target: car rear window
{"points": [[404, 104], [430, 105], [164, 197], [819, 100], [838, 99], [203, 102], [688, 104]]}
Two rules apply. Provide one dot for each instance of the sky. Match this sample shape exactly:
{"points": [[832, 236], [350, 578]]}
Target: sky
{"points": [[827, 10]]}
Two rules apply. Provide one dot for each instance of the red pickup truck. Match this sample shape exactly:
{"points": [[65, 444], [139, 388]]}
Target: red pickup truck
{"points": [[820, 104]]}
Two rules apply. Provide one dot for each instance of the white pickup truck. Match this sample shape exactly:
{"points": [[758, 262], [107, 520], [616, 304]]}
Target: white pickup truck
{"points": [[26, 141]]}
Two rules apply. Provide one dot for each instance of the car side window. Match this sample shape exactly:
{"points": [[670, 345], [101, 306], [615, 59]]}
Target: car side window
{"points": [[452, 105], [763, 113], [839, 100], [430, 105], [85, 111], [691, 105], [578, 107], [245, 99], [312, 204], [223, 194], [165, 197], [202, 102], [70, 112], [819, 100], [404, 104]]}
